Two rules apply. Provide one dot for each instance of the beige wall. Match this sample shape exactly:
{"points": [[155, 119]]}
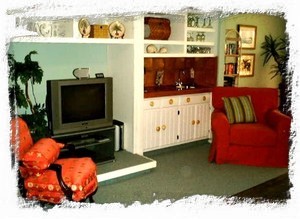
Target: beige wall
{"points": [[266, 24]]}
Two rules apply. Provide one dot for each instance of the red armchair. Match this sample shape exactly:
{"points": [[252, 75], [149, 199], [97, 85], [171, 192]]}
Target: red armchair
{"points": [[45, 178], [261, 143]]}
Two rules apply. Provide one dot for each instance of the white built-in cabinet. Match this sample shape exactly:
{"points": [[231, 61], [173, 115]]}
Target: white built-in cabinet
{"points": [[146, 127], [173, 120]]}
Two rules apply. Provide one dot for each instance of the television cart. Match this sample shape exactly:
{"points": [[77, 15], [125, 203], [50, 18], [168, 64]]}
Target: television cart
{"points": [[99, 144]]}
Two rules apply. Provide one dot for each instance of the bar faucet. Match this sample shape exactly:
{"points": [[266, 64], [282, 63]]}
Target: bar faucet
{"points": [[178, 84]]}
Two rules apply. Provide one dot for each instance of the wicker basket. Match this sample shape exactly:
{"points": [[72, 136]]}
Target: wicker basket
{"points": [[99, 31], [159, 28]]}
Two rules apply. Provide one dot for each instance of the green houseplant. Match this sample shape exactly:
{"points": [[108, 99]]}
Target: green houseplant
{"points": [[27, 73], [277, 48]]}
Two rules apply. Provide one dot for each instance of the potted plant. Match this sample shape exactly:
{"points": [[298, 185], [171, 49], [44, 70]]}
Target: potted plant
{"points": [[27, 73], [277, 48]]}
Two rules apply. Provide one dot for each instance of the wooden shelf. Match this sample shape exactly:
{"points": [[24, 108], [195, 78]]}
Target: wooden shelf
{"points": [[232, 53], [232, 39], [231, 76]]}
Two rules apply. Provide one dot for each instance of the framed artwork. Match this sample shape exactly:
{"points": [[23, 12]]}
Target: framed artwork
{"points": [[247, 62], [248, 36]]}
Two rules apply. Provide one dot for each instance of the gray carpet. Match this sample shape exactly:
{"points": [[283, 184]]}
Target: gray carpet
{"points": [[182, 172]]}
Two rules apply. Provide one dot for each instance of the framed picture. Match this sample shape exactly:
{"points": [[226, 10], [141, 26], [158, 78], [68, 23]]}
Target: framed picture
{"points": [[246, 67], [248, 35]]}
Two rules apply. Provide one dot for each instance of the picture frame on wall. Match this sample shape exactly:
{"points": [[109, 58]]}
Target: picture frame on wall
{"points": [[248, 36], [247, 64]]}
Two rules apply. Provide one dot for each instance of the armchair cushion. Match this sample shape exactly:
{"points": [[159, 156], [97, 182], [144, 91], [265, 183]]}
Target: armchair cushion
{"points": [[263, 99], [79, 174], [239, 109], [42, 154], [254, 135]]}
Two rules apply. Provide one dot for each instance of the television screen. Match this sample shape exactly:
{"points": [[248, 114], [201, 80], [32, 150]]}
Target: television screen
{"points": [[81, 102], [79, 105]]}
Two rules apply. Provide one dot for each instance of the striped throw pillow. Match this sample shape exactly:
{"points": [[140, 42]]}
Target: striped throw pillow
{"points": [[239, 109]]}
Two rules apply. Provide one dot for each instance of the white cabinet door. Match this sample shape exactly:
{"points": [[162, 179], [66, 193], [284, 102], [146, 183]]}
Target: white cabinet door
{"points": [[187, 122], [202, 121], [152, 129], [169, 126], [194, 119], [161, 122]]}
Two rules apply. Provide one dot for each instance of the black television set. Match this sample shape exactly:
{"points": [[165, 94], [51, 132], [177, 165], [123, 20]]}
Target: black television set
{"points": [[75, 106]]}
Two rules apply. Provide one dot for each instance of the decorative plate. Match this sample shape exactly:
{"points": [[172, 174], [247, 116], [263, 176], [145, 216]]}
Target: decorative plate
{"points": [[84, 27], [116, 30], [163, 50], [44, 28], [151, 49]]}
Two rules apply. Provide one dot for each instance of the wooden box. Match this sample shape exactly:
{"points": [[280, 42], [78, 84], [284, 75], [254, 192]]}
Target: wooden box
{"points": [[99, 31]]}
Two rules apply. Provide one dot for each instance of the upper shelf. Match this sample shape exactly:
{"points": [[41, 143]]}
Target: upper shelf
{"points": [[201, 29], [36, 39], [183, 40], [165, 42], [187, 39]]}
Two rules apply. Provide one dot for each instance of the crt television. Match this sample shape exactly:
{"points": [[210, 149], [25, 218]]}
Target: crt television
{"points": [[79, 105]]}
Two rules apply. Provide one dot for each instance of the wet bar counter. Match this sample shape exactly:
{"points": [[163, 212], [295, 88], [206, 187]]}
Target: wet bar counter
{"points": [[171, 91]]}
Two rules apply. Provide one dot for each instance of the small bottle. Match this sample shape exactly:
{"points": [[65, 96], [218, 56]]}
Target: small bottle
{"points": [[204, 23], [189, 37], [202, 37], [190, 21], [192, 76], [192, 73], [198, 37], [196, 18]]}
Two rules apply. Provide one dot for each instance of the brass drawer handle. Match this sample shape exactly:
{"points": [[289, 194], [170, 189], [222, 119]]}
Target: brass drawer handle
{"points": [[188, 100], [163, 127], [204, 98], [151, 103], [193, 122], [171, 101], [198, 122], [157, 128]]}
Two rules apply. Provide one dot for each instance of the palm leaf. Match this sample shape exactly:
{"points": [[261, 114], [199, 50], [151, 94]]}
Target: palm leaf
{"points": [[276, 49]]}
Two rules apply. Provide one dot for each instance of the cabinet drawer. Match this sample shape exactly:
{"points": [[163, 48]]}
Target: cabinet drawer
{"points": [[169, 101], [152, 103], [194, 99], [205, 97]]}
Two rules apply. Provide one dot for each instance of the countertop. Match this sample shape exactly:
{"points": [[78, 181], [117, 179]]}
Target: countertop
{"points": [[171, 91]]}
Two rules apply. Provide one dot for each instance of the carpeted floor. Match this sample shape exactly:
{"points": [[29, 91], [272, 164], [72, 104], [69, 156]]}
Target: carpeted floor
{"points": [[182, 172], [276, 189]]}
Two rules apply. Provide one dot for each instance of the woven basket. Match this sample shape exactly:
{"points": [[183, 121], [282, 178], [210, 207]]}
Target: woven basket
{"points": [[99, 31], [159, 28]]}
